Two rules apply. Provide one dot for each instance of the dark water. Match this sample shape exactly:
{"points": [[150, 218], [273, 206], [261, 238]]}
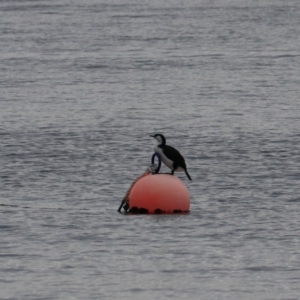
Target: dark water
{"points": [[84, 83]]}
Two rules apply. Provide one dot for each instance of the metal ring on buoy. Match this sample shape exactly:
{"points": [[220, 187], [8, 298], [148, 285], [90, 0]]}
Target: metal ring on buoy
{"points": [[159, 161]]}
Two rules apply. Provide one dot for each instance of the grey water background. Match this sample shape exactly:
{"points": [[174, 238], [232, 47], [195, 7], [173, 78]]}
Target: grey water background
{"points": [[84, 83]]}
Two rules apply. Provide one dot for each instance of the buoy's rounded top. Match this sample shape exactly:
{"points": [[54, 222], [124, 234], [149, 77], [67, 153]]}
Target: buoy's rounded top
{"points": [[159, 193]]}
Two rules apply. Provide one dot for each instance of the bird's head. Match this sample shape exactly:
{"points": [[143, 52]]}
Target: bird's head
{"points": [[161, 140]]}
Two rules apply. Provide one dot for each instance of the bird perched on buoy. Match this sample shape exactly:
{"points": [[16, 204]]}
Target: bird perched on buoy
{"points": [[170, 156]]}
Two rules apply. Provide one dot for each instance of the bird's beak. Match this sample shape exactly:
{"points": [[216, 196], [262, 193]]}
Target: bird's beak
{"points": [[151, 135]]}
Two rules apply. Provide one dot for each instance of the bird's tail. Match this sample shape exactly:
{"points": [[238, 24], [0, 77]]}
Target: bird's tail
{"points": [[187, 174]]}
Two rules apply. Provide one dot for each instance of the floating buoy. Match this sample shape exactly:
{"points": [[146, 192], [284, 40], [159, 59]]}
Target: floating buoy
{"points": [[159, 193], [156, 193]]}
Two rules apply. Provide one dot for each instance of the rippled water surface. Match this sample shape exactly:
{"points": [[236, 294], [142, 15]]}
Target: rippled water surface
{"points": [[84, 83]]}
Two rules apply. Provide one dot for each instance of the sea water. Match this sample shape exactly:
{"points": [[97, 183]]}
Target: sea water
{"points": [[84, 83]]}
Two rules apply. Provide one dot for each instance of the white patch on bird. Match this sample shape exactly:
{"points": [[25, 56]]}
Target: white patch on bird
{"points": [[155, 143], [158, 139], [165, 160]]}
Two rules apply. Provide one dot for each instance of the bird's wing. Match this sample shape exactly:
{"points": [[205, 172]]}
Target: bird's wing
{"points": [[174, 155]]}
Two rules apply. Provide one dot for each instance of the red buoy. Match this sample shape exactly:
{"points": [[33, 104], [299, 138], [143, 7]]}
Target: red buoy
{"points": [[159, 193]]}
